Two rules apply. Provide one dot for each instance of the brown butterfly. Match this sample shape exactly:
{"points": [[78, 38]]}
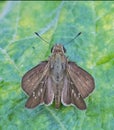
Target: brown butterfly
{"points": [[57, 80]]}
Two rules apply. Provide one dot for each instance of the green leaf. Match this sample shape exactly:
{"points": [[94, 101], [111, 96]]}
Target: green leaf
{"points": [[21, 49]]}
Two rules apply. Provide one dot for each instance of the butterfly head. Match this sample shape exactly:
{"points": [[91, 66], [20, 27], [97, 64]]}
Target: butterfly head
{"points": [[58, 48]]}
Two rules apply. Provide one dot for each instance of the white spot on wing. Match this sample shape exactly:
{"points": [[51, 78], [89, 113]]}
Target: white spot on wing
{"points": [[33, 94], [78, 96], [72, 91], [74, 94], [38, 94], [71, 82], [41, 90]]}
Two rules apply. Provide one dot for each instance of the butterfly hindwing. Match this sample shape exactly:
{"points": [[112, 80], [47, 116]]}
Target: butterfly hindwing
{"points": [[32, 78], [70, 94]]}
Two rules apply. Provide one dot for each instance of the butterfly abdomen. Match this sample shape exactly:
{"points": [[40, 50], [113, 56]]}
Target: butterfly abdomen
{"points": [[57, 96]]}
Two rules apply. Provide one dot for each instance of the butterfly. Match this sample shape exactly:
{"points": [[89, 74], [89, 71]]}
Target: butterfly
{"points": [[57, 80]]}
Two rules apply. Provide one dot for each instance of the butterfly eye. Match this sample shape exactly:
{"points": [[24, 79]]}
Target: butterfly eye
{"points": [[64, 49]]}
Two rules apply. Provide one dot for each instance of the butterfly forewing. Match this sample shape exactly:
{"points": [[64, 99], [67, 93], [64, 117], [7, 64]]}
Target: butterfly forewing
{"points": [[33, 77], [82, 80]]}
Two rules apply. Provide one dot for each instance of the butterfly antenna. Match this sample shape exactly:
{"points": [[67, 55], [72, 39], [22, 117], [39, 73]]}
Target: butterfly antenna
{"points": [[74, 38], [41, 37]]}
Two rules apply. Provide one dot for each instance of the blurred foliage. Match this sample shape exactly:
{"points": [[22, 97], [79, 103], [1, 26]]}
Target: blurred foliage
{"points": [[20, 50]]}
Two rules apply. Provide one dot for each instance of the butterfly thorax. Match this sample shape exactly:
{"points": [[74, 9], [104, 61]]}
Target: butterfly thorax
{"points": [[58, 67]]}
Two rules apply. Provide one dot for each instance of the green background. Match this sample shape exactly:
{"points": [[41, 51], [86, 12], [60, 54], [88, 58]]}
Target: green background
{"points": [[21, 49]]}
